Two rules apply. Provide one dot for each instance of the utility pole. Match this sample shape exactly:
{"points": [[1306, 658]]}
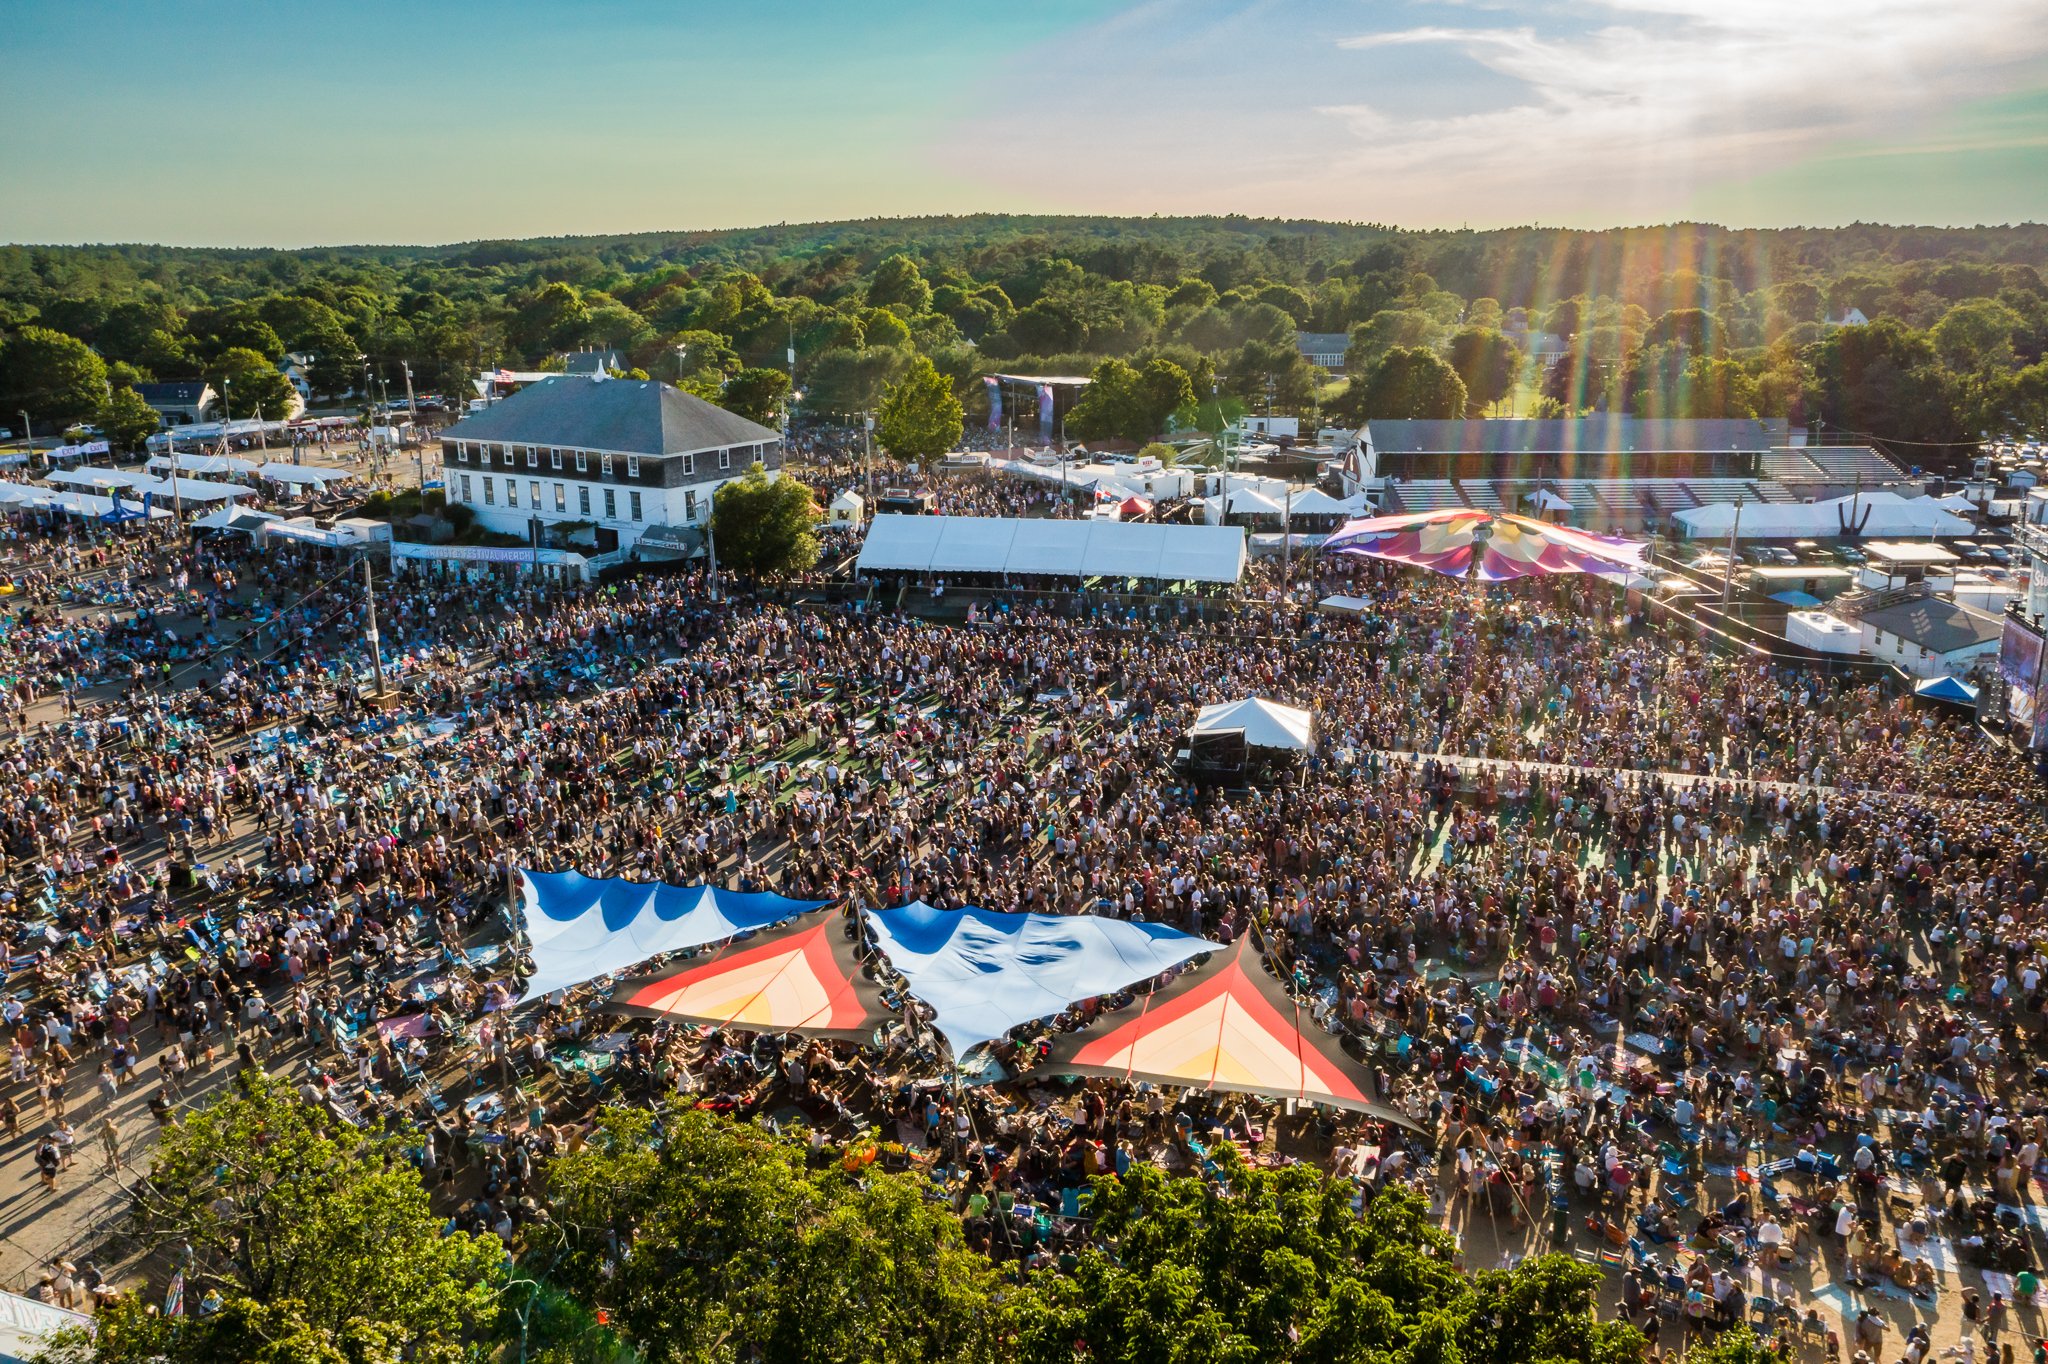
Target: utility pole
{"points": [[370, 604], [867, 445], [1287, 542], [262, 437], [419, 446], [1728, 569]]}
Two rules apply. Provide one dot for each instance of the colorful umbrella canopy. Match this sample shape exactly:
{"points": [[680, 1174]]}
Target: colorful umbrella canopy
{"points": [[1229, 1025], [1489, 547], [804, 979]]}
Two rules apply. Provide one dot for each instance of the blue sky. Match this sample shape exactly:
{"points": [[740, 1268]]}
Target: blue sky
{"points": [[288, 123]]}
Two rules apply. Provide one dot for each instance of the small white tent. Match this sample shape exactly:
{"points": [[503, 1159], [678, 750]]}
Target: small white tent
{"points": [[1266, 724]]}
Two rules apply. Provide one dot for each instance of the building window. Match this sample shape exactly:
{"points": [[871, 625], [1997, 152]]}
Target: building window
{"points": [[689, 465], [490, 496], [690, 505], [554, 459], [465, 488], [511, 492], [561, 498], [583, 501], [607, 466], [582, 462], [533, 493], [725, 459], [632, 466], [484, 455], [633, 504], [611, 505], [532, 457]]}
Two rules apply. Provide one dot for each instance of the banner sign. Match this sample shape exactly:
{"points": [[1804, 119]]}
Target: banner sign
{"points": [[1045, 412], [995, 401]]}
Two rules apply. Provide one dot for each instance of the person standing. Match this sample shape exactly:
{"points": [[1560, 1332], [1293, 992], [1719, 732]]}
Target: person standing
{"points": [[110, 1142]]}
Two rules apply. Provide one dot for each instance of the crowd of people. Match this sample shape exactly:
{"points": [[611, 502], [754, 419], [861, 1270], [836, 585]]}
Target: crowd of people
{"points": [[1725, 974]]}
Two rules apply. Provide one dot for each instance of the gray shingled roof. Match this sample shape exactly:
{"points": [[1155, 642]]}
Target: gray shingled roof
{"points": [[1936, 624], [1610, 434], [630, 416]]}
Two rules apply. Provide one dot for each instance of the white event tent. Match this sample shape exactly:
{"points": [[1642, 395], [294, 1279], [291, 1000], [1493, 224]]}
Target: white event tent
{"points": [[303, 473], [1266, 724], [1880, 513], [1069, 549]]}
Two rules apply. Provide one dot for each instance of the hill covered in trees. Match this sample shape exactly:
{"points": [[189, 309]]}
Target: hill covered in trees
{"points": [[1685, 319]]}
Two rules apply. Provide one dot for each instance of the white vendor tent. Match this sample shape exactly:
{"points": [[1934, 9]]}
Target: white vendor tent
{"points": [[236, 518], [85, 504], [192, 490], [95, 478], [202, 464], [1266, 724], [1879, 512], [1070, 549], [303, 473], [23, 497], [1316, 502]]}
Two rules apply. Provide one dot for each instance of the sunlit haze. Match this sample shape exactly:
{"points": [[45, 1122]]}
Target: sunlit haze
{"points": [[234, 123]]}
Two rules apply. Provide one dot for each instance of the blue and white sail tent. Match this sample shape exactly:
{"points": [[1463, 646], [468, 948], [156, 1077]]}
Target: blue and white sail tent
{"points": [[985, 972], [581, 927]]}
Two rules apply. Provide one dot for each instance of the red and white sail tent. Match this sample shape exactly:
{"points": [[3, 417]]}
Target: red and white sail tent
{"points": [[1228, 1025], [1487, 547], [803, 979]]}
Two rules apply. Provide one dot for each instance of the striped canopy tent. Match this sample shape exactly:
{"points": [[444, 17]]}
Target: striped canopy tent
{"points": [[1487, 547], [1228, 1025], [803, 979]]}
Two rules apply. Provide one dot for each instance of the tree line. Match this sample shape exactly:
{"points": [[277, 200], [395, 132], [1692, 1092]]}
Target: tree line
{"points": [[675, 1236], [1171, 317]]}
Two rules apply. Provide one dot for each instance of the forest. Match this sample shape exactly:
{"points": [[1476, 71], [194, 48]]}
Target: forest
{"points": [[1165, 313]]}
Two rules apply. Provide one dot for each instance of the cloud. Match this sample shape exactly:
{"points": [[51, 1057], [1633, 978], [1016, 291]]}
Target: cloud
{"points": [[1626, 117], [1589, 112]]}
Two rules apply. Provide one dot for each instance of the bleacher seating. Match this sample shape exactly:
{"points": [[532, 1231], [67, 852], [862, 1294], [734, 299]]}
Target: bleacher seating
{"points": [[1850, 463], [1427, 494]]}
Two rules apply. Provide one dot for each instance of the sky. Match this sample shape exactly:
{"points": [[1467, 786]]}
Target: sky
{"points": [[281, 123]]}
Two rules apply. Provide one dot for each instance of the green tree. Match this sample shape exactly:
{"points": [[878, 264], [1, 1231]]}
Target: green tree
{"points": [[126, 420], [1975, 337], [740, 1250], [764, 525], [1883, 381], [1486, 362], [756, 394], [847, 381], [899, 284], [55, 378], [1164, 388], [1281, 1268], [1112, 408], [326, 1226], [1407, 382], [247, 383], [1383, 331], [920, 417]]}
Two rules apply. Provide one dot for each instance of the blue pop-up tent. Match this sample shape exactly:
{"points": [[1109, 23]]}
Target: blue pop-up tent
{"points": [[985, 972], [581, 927], [1950, 689]]}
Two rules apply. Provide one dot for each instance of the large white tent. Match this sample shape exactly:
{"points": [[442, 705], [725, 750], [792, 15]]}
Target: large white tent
{"points": [[1266, 724], [1070, 549], [202, 464], [1879, 512], [302, 473]]}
